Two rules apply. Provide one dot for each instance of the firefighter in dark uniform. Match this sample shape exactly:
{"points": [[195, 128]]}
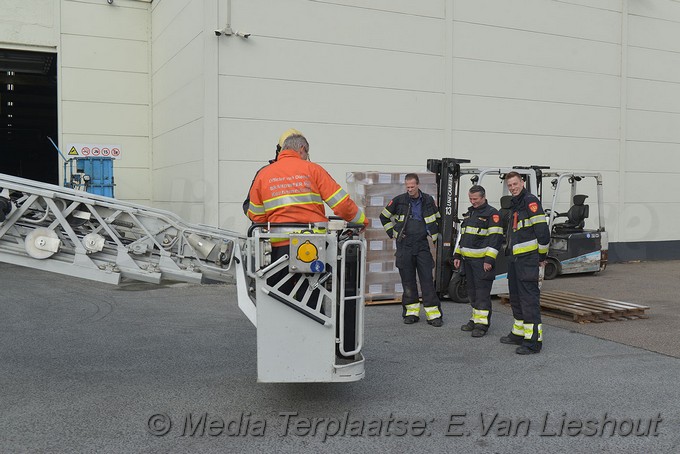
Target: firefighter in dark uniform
{"points": [[410, 218], [481, 239], [527, 247]]}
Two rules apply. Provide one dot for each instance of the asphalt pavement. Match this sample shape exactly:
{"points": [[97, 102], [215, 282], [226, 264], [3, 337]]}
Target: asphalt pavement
{"points": [[89, 367]]}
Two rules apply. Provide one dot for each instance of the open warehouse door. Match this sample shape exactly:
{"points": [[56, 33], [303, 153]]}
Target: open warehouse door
{"points": [[28, 114]]}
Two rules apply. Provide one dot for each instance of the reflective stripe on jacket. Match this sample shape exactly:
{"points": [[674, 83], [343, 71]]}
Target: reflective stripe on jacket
{"points": [[528, 228], [293, 190], [481, 234], [394, 215]]}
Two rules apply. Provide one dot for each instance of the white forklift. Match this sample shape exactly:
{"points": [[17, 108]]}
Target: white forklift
{"points": [[576, 247], [573, 247], [492, 178], [312, 333]]}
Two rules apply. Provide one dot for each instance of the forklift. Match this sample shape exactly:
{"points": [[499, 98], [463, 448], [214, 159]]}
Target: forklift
{"points": [[449, 282], [573, 249], [448, 172]]}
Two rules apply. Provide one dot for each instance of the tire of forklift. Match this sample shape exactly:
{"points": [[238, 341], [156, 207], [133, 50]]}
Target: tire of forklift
{"points": [[552, 270], [458, 289]]}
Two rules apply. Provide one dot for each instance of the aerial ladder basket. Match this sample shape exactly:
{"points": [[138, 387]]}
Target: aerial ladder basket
{"points": [[309, 300]]}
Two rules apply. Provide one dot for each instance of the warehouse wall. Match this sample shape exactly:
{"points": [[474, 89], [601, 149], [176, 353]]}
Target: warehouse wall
{"points": [[365, 85], [569, 84], [573, 84], [31, 23], [103, 74], [104, 79], [184, 136], [649, 180]]}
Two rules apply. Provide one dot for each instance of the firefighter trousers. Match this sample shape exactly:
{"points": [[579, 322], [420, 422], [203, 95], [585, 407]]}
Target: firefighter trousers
{"points": [[479, 284], [525, 298], [417, 260]]}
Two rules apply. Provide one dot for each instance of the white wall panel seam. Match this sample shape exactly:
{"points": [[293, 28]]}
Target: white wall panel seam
{"points": [[591, 6], [640, 109], [351, 46], [155, 102], [675, 52], [108, 103], [146, 42], [527, 65], [664, 19], [183, 125], [197, 35], [389, 11], [535, 134], [180, 164], [535, 32], [367, 125], [545, 101], [660, 81], [169, 22], [331, 84]]}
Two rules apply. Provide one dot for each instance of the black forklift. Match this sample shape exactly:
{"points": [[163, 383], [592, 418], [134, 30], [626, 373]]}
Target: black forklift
{"points": [[449, 282], [448, 172], [573, 248]]}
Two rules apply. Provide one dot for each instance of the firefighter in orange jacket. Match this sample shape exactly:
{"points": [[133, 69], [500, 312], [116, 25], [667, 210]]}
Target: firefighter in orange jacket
{"points": [[287, 133], [293, 189]]}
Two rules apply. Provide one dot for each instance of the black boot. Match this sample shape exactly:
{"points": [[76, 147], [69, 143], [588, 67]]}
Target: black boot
{"points": [[411, 319], [512, 339], [529, 349], [478, 332]]}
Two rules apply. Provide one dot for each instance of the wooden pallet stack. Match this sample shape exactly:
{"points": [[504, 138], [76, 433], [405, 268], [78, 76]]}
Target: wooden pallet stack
{"points": [[586, 309], [372, 191]]}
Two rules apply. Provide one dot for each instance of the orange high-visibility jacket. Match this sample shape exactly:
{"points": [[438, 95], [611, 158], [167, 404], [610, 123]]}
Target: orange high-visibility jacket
{"points": [[293, 190]]}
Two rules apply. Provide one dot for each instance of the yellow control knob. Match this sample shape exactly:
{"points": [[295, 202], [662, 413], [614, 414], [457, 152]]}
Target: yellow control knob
{"points": [[307, 252]]}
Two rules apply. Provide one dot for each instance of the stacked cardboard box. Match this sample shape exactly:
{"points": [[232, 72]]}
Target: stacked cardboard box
{"points": [[372, 191]]}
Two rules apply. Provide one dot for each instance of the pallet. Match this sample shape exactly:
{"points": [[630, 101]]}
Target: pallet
{"points": [[586, 309], [373, 300]]}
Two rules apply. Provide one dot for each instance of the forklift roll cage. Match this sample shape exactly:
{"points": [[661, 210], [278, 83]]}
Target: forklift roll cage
{"points": [[590, 245]]}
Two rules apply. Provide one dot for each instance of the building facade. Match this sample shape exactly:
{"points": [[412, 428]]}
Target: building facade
{"points": [[374, 85]]}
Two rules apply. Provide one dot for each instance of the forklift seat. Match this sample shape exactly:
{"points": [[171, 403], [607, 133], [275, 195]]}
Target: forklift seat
{"points": [[576, 216], [506, 204]]}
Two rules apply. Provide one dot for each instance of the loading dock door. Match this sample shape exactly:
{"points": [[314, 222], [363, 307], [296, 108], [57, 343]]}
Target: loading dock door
{"points": [[28, 115]]}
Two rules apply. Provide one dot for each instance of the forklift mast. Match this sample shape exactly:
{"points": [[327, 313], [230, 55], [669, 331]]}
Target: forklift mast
{"points": [[538, 191], [448, 174]]}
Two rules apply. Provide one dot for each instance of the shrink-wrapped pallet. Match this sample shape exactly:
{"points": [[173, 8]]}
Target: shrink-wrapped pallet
{"points": [[372, 191]]}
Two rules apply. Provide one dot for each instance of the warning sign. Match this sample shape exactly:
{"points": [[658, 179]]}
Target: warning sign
{"points": [[87, 150]]}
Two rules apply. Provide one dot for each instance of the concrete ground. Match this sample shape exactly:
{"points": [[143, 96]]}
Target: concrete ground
{"points": [[653, 284], [88, 367]]}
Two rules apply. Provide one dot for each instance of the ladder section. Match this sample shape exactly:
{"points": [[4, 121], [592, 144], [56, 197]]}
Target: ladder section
{"points": [[103, 239]]}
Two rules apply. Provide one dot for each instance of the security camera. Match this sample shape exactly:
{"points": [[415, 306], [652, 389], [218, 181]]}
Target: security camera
{"points": [[242, 35], [110, 2], [224, 31]]}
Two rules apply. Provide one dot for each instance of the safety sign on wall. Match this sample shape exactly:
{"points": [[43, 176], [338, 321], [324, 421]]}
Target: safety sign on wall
{"points": [[92, 150]]}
